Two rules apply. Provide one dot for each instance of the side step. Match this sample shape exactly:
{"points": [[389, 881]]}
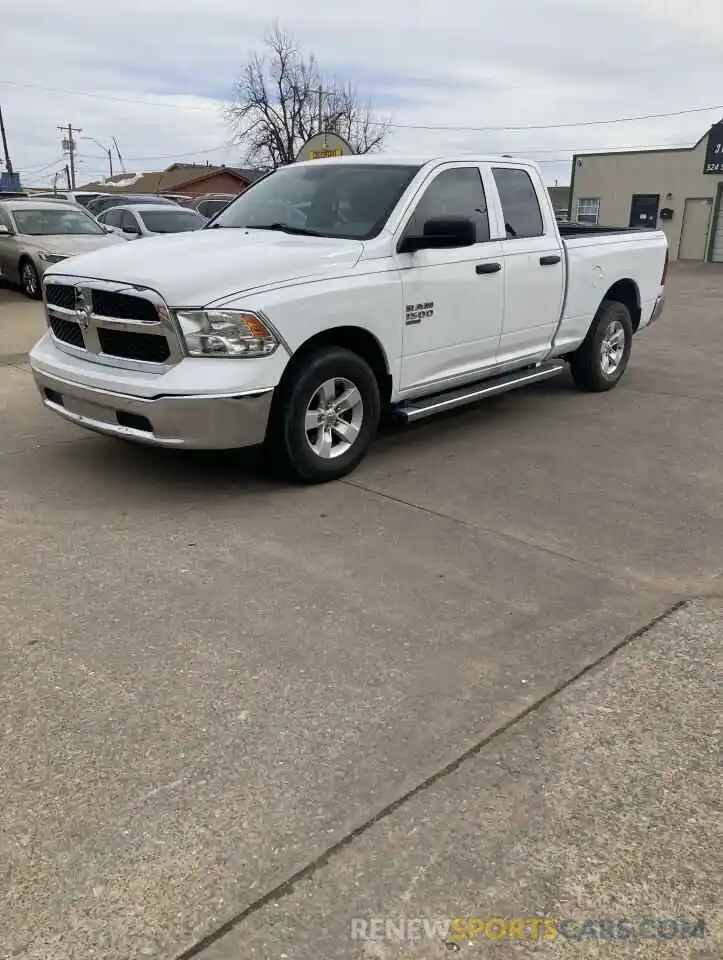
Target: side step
{"points": [[410, 410]]}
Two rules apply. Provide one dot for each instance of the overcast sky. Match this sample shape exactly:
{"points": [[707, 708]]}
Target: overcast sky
{"points": [[491, 63]]}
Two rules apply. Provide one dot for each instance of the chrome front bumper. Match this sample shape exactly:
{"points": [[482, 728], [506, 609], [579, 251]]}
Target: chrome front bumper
{"points": [[203, 422]]}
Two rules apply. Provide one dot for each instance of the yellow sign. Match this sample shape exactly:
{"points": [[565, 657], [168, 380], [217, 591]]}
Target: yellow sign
{"points": [[322, 154]]}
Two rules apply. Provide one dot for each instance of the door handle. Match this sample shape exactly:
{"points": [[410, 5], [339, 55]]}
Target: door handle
{"points": [[488, 268], [550, 261]]}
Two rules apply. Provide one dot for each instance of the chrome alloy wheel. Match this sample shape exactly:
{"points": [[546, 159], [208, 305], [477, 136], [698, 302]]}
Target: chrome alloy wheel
{"points": [[334, 418], [29, 279], [612, 348]]}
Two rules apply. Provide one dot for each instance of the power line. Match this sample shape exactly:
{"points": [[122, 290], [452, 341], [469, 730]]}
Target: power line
{"points": [[105, 97], [176, 156], [520, 151], [560, 126], [41, 167], [394, 124]]}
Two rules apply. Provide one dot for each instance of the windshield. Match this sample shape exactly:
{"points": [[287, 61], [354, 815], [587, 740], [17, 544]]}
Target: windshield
{"points": [[171, 221], [46, 223], [209, 208], [346, 200]]}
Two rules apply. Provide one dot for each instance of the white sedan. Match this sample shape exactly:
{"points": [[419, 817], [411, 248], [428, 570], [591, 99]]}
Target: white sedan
{"points": [[149, 220]]}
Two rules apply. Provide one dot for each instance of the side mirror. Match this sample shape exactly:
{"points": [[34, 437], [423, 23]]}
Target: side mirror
{"points": [[5, 231], [131, 231], [441, 233]]}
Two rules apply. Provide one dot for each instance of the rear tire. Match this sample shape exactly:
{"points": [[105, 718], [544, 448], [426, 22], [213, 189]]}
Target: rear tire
{"points": [[30, 279], [324, 417], [600, 361]]}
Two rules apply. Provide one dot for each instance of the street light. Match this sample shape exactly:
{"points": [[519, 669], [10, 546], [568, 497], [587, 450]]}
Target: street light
{"points": [[106, 151]]}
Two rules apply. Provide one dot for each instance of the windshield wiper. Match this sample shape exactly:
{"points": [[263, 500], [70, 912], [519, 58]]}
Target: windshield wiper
{"points": [[281, 227], [288, 228]]}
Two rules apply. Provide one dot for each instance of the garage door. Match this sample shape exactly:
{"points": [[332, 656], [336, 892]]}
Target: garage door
{"points": [[717, 251]]}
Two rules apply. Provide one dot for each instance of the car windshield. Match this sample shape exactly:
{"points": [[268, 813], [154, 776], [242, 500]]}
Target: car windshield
{"points": [[42, 222], [105, 203], [211, 207], [171, 221], [345, 199]]}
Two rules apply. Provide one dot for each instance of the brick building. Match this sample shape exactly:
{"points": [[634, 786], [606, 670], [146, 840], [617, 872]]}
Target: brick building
{"points": [[189, 179]]}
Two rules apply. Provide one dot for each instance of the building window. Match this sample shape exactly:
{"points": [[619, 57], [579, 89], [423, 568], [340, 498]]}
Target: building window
{"points": [[588, 210]]}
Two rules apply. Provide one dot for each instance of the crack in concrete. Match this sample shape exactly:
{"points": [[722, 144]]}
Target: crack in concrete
{"points": [[595, 568], [17, 360], [672, 396], [287, 886]]}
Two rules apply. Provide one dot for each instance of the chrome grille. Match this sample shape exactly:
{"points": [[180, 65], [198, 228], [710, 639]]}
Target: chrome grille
{"points": [[67, 330], [134, 346], [112, 323], [60, 296], [123, 307]]}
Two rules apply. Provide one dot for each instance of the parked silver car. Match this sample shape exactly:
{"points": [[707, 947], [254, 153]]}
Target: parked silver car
{"points": [[34, 234], [149, 220], [83, 197]]}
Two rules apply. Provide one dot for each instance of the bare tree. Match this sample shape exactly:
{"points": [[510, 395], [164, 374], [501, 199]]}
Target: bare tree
{"points": [[282, 98]]}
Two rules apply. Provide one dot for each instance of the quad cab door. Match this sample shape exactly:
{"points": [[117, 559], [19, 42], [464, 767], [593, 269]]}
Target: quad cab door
{"points": [[534, 266], [454, 297]]}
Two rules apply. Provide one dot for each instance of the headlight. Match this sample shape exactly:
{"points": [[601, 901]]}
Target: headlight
{"points": [[50, 257], [225, 333]]}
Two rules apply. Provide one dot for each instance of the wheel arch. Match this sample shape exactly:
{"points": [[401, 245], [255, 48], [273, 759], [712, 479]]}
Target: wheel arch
{"points": [[627, 292], [354, 338]]}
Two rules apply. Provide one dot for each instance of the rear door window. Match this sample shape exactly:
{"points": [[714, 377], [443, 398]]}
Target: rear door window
{"points": [[129, 222], [113, 218], [520, 206]]}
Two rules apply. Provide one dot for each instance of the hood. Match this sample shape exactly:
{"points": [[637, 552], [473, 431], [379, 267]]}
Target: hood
{"points": [[70, 245], [201, 267]]}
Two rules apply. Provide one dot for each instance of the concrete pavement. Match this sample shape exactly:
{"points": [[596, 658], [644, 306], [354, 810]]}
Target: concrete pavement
{"points": [[21, 324], [602, 804], [213, 678]]}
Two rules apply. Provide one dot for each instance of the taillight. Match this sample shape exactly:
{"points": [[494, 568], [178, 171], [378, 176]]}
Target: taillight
{"points": [[665, 268]]}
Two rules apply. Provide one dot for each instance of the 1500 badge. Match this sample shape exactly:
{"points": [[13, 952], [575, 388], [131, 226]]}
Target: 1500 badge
{"points": [[416, 312]]}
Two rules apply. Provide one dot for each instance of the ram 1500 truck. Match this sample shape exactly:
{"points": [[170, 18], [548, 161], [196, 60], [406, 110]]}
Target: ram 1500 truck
{"points": [[334, 290]]}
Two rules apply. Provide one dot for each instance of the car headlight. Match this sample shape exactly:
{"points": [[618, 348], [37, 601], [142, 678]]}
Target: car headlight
{"points": [[50, 257], [225, 333]]}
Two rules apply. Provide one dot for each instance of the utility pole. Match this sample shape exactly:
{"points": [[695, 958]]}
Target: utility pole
{"points": [[321, 118], [69, 148], [8, 161], [67, 177]]}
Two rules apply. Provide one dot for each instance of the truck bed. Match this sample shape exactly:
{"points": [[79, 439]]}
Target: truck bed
{"points": [[570, 229]]}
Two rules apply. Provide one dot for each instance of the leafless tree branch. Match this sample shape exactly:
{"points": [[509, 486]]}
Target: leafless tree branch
{"points": [[277, 102]]}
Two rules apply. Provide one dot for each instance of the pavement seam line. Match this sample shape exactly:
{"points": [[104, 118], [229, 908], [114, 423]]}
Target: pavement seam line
{"points": [[673, 396], [45, 446], [558, 554], [286, 887], [17, 360]]}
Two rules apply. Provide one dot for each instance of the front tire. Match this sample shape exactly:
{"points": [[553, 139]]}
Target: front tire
{"points": [[30, 279], [600, 361], [325, 417]]}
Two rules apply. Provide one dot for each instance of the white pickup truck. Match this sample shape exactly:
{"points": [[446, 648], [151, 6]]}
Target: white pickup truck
{"points": [[335, 290]]}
